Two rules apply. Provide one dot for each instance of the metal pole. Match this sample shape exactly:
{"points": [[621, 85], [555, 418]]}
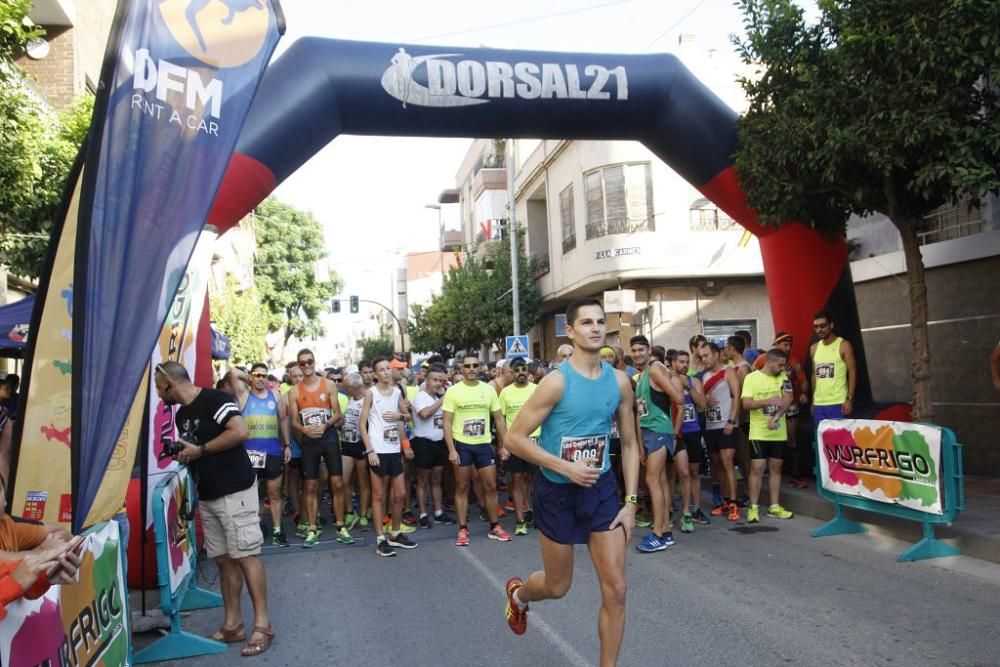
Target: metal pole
{"points": [[402, 333], [512, 228]]}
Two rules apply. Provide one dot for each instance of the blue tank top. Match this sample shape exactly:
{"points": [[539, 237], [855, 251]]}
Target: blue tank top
{"points": [[580, 424], [261, 416], [689, 419]]}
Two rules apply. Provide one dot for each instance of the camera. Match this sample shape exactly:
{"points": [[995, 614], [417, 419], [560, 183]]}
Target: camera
{"points": [[170, 448]]}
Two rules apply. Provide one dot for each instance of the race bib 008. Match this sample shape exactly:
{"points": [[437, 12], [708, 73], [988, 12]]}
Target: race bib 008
{"points": [[592, 446], [257, 459]]}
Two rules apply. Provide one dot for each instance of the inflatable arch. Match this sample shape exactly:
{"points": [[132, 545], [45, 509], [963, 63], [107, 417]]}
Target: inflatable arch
{"points": [[321, 88]]}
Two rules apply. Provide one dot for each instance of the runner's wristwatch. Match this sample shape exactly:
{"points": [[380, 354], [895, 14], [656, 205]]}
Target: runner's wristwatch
{"points": [[633, 498], [204, 449]]}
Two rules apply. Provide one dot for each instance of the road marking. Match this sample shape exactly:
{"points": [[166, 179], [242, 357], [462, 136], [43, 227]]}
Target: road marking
{"points": [[536, 621]]}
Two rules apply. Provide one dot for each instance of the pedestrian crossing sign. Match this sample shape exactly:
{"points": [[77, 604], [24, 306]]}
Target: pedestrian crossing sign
{"points": [[516, 346]]}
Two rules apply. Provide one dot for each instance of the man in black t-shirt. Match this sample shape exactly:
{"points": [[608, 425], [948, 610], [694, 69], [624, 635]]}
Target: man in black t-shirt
{"points": [[212, 432]]}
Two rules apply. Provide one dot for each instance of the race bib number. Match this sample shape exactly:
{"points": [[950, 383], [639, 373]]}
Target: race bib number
{"points": [[825, 371], [771, 410], [689, 413], [474, 428], [314, 416], [391, 433], [713, 414], [257, 459], [641, 408], [438, 421], [593, 446], [351, 435]]}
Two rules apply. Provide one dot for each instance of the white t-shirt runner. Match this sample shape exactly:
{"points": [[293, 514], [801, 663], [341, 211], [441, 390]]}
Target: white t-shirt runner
{"points": [[431, 428]]}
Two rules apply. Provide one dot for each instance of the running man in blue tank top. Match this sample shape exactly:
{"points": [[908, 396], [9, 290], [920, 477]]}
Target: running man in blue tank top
{"points": [[576, 494]]}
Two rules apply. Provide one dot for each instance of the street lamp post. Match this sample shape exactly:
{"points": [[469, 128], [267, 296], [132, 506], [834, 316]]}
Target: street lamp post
{"points": [[437, 207], [512, 229]]}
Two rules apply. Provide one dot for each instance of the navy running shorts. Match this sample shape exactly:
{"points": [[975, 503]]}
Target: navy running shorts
{"points": [[479, 455], [568, 514], [653, 442]]}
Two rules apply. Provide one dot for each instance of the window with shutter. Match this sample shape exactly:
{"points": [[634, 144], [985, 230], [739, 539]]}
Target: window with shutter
{"points": [[619, 200], [568, 219], [595, 205]]}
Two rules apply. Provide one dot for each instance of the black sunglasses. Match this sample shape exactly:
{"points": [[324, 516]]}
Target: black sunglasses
{"points": [[470, 365]]}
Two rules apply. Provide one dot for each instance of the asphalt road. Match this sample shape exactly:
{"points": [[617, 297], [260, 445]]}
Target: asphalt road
{"points": [[729, 594]]}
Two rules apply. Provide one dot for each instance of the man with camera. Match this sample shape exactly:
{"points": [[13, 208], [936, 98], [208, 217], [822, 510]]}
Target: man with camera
{"points": [[211, 436]]}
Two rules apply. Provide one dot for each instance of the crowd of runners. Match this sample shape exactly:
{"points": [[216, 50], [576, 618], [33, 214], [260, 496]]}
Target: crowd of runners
{"points": [[601, 438]]}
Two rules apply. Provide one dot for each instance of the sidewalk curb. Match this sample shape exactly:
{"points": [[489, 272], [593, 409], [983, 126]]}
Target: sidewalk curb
{"points": [[972, 543]]}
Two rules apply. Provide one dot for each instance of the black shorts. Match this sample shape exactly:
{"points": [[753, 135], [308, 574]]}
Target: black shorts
{"points": [[515, 465], [767, 449], [274, 467], [327, 449], [389, 465], [356, 450], [691, 442], [429, 453], [568, 514], [616, 447], [717, 439]]}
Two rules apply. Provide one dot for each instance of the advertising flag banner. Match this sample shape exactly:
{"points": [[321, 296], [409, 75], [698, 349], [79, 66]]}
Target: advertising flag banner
{"points": [[177, 342], [884, 461], [42, 465], [177, 83], [85, 623]]}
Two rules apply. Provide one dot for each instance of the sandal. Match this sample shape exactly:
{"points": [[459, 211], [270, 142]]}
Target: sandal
{"points": [[257, 647], [229, 635]]}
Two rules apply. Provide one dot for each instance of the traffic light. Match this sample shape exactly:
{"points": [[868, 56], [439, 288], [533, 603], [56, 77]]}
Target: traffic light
{"points": [[336, 305], [354, 304]]}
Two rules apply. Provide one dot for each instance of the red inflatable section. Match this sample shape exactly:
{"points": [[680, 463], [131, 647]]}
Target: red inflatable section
{"points": [[140, 574], [246, 183], [801, 267]]}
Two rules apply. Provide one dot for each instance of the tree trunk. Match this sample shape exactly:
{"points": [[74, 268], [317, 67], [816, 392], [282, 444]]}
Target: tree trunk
{"points": [[920, 369]]}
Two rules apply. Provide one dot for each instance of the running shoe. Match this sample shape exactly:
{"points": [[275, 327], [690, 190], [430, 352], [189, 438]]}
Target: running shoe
{"points": [[798, 483], [350, 520], [444, 518], [522, 528], [383, 548], [278, 539], [744, 501], [409, 519], [498, 533], [734, 512], [753, 514], [650, 544], [779, 512], [463, 538], [311, 538], [720, 508], [509, 505], [363, 523], [402, 541], [344, 536], [301, 529], [667, 539], [642, 520], [501, 513], [529, 516], [699, 517], [687, 524], [483, 516], [425, 521], [517, 618]]}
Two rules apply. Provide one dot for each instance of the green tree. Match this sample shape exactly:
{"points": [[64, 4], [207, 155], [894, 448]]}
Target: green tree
{"points": [[887, 106], [380, 346], [475, 305], [236, 314], [37, 149], [289, 243]]}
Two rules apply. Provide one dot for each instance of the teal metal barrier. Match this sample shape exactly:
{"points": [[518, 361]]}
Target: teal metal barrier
{"points": [[952, 483], [187, 595]]}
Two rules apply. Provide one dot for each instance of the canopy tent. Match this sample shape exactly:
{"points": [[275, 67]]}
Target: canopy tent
{"points": [[15, 318]]}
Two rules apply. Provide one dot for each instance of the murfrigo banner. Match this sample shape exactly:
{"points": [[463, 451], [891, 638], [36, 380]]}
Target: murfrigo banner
{"points": [[85, 623], [177, 83], [883, 461]]}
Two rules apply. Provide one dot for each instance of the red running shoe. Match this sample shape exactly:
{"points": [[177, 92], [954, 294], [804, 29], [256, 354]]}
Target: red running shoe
{"points": [[517, 618], [463, 538]]}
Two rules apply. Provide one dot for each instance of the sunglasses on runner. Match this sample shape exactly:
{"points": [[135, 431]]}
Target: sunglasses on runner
{"points": [[258, 375], [470, 365], [310, 362]]}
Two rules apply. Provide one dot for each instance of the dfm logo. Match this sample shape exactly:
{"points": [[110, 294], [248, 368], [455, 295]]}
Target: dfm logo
{"points": [[220, 33]]}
